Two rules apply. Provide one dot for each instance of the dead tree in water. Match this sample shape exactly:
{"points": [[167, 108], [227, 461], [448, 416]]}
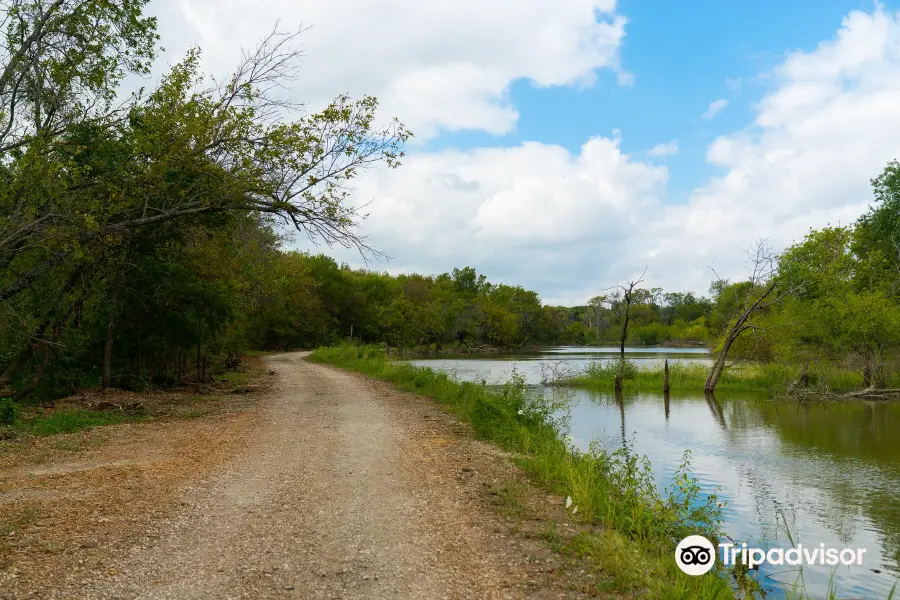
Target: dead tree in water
{"points": [[666, 381], [760, 292], [628, 291]]}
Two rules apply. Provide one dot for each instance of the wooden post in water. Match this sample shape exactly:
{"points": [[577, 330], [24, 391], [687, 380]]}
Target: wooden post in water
{"points": [[666, 382]]}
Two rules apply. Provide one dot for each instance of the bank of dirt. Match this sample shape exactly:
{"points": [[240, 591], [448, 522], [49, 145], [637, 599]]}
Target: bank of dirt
{"points": [[329, 485]]}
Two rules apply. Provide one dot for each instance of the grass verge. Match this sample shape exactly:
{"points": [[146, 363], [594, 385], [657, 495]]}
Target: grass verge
{"points": [[631, 528]]}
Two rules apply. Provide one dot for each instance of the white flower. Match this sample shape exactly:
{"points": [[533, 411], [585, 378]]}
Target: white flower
{"points": [[568, 501], [521, 412], [574, 510]]}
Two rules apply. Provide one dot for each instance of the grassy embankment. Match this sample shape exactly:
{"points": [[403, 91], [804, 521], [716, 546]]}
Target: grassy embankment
{"points": [[773, 379], [634, 527]]}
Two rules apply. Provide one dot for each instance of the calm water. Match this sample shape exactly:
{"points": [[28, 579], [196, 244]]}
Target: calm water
{"points": [[831, 471]]}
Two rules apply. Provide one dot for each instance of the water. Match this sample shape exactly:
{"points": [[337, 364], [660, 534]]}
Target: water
{"points": [[830, 471]]}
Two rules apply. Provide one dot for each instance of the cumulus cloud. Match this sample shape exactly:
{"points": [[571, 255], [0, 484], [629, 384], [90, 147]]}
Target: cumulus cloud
{"points": [[827, 127], [438, 66], [536, 214], [570, 224], [667, 149], [715, 107]]}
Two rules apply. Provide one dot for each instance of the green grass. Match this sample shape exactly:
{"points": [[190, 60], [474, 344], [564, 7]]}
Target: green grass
{"points": [[69, 421], [773, 379], [634, 527]]}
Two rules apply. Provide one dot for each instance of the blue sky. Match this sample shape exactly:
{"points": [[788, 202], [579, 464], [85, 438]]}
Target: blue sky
{"points": [[683, 55], [534, 122]]}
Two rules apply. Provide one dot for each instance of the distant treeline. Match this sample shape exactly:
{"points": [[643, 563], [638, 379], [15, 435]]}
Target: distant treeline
{"points": [[138, 240]]}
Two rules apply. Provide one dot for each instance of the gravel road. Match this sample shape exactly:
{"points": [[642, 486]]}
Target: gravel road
{"points": [[349, 489]]}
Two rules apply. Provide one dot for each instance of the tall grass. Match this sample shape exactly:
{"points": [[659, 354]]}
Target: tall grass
{"points": [[774, 379], [636, 527]]}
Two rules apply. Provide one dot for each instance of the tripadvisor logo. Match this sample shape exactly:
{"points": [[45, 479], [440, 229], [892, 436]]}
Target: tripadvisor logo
{"points": [[696, 555]]}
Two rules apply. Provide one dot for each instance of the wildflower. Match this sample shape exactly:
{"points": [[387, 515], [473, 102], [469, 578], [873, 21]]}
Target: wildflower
{"points": [[574, 510], [568, 501], [521, 412]]}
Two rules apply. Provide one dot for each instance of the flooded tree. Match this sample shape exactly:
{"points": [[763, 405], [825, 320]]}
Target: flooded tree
{"points": [[747, 300], [628, 293]]}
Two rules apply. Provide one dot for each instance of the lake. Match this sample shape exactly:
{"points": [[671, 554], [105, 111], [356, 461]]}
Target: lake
{"points": [[830, 471]]}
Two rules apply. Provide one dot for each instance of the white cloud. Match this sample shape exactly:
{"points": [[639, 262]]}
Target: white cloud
{"points": [[667, 149], [435, 65], [569, 225], [534, 214], [827, 127], [715, 107]]}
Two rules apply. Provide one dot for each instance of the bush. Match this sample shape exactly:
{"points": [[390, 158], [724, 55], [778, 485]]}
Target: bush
{"points": [[9, 411]]}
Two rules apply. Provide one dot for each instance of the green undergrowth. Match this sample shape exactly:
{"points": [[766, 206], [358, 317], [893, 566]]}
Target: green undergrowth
{"points": [[634, 528], [774, 379], [70, 421]]}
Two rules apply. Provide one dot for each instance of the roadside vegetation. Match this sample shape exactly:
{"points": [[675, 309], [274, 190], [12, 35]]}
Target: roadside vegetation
{"points": [[635, 526]]}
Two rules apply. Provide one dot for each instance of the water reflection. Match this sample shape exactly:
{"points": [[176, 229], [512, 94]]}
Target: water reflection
{"points": [[828, 473]]}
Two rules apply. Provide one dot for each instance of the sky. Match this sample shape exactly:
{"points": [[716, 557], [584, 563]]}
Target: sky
{"points": [[567, 146]]}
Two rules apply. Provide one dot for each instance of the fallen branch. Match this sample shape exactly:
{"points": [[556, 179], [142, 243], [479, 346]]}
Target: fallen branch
{"points": [[874, 393]]}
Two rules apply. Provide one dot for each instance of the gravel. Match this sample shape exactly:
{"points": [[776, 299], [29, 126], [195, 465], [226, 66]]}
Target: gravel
{"points": [[347, 489]]}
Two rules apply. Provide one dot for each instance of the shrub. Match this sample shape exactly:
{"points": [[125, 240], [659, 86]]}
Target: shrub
{"points": [[9, 411]]}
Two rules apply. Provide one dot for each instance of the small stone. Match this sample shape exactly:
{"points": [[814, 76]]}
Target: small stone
{"points": [[289, 588]]}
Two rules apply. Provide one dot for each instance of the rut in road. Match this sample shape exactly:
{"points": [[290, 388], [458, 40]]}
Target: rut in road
{"points": [[351, 490]]}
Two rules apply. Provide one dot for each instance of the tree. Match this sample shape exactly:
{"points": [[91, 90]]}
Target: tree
{"points": [[745, 301], [184, 156], [628, 292]]}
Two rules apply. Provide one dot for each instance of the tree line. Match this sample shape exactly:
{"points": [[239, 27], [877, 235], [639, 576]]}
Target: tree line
{"points": [[143, 241]]}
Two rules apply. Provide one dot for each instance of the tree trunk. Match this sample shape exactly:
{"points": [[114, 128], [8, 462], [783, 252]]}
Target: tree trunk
{"points": [[107, 350], [17, 364], [666, 381], [36, 339], [199, 348], [37, 374], [719, 364], [620, 376], [736, 330], [802, 378]]}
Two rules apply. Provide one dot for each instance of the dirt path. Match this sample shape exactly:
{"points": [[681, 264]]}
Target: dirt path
{"points": [[347, 490]]}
